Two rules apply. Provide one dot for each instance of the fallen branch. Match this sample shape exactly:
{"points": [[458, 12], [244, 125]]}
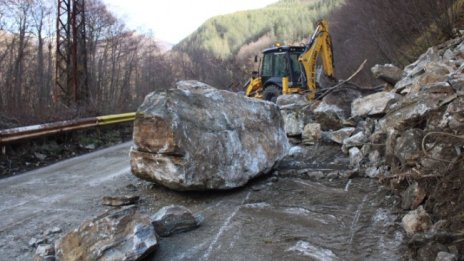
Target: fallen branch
{"points": [[340, 83]]}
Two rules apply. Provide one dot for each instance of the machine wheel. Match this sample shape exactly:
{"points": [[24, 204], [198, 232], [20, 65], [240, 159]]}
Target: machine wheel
{"points": [[271, 93]]}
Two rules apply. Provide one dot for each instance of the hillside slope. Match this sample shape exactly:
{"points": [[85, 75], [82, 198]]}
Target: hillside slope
{"points": [[286, 20]]}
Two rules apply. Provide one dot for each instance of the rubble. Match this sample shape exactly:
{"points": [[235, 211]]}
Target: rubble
{"points": [[422, 133], [196, 137]]}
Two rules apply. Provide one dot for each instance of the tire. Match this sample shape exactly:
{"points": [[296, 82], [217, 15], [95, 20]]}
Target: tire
{"points": [[271, 93]]}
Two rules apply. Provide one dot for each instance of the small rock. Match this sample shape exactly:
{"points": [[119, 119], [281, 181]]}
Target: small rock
{"points": [[438, 87], [293, 122], [34, 242], [439, 226], [173, 219], [374, 157], [117, 201], [89, 146], [43, 251], [445, 256], [292, 102], [416, 221], [355, 157], [408, 148], [356, 140], [373, 172], [373, 104], [388, 73], [311, 133], [315, 174], [53, 230], [413, 196], [131, 187], [40, 156], [330, 117], [337, 136]]}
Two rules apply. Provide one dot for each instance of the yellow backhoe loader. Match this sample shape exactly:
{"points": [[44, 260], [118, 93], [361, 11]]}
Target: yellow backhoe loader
{"points": [[292, 69]]}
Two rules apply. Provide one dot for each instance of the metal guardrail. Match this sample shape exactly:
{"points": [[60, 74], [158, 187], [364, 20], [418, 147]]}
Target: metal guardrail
{"points": [[14, 134]]}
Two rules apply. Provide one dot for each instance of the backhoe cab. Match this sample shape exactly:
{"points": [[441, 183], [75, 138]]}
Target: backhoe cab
{"points": [[291, 69]]}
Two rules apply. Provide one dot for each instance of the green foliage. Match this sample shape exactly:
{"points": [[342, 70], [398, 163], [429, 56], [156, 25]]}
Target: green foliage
{"points": [[285, 21]]}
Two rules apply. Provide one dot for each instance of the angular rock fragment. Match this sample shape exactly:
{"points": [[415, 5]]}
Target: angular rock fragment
{"points": [[117, 201], [356, 157], [413, 196], [388, 73], [373, 104], [311, 133], [121, 235], [173, 219], [408, 147], [337, 136], [45, 252], [416, 221], [196, 137]]}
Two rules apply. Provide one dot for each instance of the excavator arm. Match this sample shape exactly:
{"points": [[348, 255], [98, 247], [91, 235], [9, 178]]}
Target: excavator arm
{"points": [[319, 43]]}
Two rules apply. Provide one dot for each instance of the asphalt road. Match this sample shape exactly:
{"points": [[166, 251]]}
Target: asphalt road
{"points": [[272, 218]]}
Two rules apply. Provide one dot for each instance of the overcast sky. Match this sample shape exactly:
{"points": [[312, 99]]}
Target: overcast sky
{"points": [[173, 20]]}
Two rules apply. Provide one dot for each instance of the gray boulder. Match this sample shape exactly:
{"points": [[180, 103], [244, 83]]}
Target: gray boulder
{"points": [[173, 219], [388, 73], [121, 235], [196, 137]]}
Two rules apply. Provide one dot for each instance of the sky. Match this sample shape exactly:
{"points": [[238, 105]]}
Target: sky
{"points": [[173, 20]]}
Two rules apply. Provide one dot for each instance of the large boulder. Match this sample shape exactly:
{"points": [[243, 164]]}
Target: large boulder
{"points": [[196, 137], [121, 235]]}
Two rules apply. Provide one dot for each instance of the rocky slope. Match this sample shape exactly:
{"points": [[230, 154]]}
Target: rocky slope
{"points": [[410, 137]]}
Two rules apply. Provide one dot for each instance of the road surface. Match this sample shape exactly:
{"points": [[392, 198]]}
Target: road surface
{"points": [[272, 218]]}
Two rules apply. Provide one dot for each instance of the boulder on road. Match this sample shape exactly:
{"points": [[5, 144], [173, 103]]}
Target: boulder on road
{"points": [[121, 235], [196, 137]]}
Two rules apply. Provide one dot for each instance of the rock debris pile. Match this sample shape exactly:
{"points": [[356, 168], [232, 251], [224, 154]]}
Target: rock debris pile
{"points": [[410, 137]]}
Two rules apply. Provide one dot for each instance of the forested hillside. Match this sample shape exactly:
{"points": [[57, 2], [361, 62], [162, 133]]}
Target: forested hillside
{"points": [[124, 65], [286, 20]]}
